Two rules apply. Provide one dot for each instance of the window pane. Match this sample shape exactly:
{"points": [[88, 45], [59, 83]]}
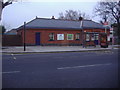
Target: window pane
{"points": [[87, 37], [60, 36], [51, 36], [96, 36], [77, 36], [69, 36], [92, 37]]}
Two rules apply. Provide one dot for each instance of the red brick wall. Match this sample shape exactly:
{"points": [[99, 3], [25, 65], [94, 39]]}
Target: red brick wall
{"points": [[30, 36]]}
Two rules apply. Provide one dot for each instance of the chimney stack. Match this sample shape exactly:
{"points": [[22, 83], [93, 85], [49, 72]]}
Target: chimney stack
{"points": [[36, 17], [53, 17]]}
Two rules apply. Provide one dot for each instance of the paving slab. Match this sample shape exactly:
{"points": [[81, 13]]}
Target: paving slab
{"points": [[38, 49]]}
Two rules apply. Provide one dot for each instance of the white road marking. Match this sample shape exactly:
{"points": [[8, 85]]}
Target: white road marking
{"points": [[84, 66], [13, 56], [10, 72]]}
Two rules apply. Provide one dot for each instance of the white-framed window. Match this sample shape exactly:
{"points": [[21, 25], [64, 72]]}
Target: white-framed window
{"points": [[87, 37], [96, 36], [77, 36], [51, 36], [70, 36], [92, 37], [60, 36]]}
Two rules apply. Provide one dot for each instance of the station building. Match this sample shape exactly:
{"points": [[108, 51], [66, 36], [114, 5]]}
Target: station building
{"points": [[43, 31]]}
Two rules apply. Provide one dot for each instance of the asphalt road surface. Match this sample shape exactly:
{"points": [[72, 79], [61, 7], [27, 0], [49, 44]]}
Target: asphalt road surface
{"points": [[61, 70]]}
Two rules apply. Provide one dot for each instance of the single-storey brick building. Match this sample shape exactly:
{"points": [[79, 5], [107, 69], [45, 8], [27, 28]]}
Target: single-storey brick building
{"points": [[41, 31]]}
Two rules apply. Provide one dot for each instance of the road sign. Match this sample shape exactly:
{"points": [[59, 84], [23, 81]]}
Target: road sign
{"points": [[106, 23]]}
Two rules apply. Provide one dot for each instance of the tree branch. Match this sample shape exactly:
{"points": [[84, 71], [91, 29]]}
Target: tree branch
{"points": [[6, 3]]}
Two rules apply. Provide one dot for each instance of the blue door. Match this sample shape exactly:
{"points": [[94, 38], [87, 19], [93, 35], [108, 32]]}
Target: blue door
{"points": [[37, 38], [96, 42]]}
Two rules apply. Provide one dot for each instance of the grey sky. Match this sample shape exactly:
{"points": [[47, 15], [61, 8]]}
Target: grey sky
{"points": [[15, 14]]}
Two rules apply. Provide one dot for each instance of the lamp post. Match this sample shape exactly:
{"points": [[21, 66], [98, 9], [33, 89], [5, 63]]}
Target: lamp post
{"points": [[24, 36]]}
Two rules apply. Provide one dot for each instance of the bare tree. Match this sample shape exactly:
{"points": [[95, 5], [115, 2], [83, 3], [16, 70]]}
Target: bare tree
{"points": [[4, 4], [109, 11], [73, 15], [106, 10]]}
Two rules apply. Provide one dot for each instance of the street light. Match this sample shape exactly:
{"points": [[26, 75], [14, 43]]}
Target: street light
{"points": [[24, 36]]}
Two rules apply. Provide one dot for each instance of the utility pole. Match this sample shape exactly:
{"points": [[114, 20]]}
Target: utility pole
{"points": [[24, 36], [81, 25], [82, 35]]}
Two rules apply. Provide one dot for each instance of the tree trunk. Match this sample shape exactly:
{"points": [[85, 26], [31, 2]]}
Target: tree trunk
{"points": [[0, 9], [118, 27], [0, 27]]}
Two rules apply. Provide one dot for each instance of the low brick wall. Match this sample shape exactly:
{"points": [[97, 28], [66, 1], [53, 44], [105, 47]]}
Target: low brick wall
{"points": [[11, 40]]}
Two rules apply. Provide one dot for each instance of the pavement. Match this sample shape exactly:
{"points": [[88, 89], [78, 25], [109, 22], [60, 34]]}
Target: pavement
{"points": [[43, 49]]}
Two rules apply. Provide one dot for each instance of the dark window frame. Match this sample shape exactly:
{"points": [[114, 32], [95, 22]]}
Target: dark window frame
{"points": [[51, 37], [77, 37]]}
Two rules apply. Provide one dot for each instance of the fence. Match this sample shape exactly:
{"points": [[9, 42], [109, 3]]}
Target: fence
{"points": [[11, 40]]}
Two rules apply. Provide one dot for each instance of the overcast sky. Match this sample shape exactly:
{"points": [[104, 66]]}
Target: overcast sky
{"points": [[17, 13]]}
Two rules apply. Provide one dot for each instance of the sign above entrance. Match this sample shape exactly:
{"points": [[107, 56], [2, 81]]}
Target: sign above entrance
{"points": [[106, 24]]}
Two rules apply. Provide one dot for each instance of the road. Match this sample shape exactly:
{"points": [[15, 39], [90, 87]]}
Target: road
{"points": [[61, 70]]}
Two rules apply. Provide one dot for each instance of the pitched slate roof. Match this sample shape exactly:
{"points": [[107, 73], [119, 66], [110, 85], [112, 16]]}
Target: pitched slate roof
{"points": [[89, 24], [11, 32], [42, 23]]}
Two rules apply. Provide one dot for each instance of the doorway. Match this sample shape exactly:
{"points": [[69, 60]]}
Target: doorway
{"points": [[37, 38], [96, 39]]}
